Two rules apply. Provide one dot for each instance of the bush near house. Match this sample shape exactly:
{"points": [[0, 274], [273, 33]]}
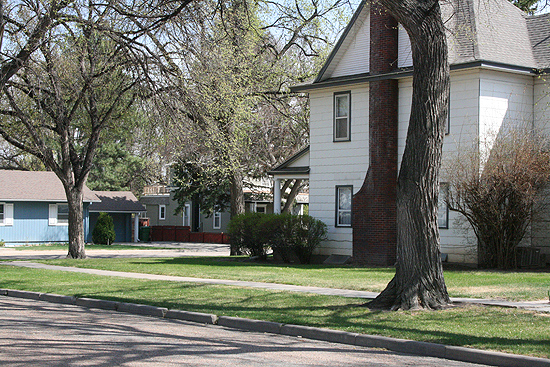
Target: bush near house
{"points": [[289, 235], [104, 230]]}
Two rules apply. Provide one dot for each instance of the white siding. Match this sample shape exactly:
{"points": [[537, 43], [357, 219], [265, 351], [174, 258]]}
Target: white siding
{"points": [[353, 57], [505, 102], [404, 58], [336, 163], [303, 161], [464, 104]]}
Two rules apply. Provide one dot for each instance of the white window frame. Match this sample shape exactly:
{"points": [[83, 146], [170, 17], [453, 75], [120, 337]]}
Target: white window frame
{"points": [[217, 217], [162, 212], [442, 207], [53, 219], [336, 118], [7, 215], [338, 209]]}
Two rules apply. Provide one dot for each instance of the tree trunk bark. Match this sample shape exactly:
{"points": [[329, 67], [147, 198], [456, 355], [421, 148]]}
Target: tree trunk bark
{"points": [[291, 196], [76, 223], [237, 201], [418, 281]]}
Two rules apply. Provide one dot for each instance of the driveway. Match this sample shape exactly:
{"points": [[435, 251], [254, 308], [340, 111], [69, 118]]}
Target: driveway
{"points": [[45, 334]]}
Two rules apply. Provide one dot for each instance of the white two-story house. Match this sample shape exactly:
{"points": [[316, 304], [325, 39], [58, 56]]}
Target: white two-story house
{"points": [[360, 104]]}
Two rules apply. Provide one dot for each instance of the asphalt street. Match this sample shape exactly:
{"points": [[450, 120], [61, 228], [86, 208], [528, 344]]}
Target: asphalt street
{"points": [[37, 333]]}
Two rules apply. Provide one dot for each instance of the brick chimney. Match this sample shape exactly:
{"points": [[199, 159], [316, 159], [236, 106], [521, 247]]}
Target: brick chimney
{"points": [[374, 206]]}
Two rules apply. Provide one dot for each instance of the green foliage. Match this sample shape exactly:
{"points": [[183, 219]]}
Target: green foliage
{"points": [[289, 235], [104, 230], [528, 6], [117, 169], [201, 183]]}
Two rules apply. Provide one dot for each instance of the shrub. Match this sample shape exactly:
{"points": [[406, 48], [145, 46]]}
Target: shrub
{"points": [[248, 235], [309, 234], [104, 230], [289, 235]]}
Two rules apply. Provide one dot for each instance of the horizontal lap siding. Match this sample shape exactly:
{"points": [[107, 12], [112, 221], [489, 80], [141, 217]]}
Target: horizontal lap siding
{"points": [[30, 224], [336, 163], [464, 106]]}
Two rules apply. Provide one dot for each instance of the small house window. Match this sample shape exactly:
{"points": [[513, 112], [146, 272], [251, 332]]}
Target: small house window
{"points": [[343, 206], [62, 214], [342, 116], [162, 212], [6, 214], [59, 215], [217, 220], [261, 208], [443, 208]]}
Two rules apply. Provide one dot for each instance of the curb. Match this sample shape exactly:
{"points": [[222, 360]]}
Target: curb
{"points": [[335, 336]]}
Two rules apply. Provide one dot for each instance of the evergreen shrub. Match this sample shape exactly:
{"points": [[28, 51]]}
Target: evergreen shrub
{"points": [[104, 230]]}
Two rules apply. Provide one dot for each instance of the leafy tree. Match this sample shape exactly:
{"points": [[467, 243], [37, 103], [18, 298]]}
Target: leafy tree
{"points": [[117, 168], [529, 6], [498, 190], [207, 187], [229, 94], [104, 230], [82, 77]]}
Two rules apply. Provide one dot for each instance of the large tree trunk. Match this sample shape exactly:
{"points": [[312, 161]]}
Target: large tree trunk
{"points": [[418, 281], [76, 223]]}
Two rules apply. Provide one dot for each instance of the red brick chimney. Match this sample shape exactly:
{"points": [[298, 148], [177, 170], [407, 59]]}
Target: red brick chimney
{"points": [[374, 206]]}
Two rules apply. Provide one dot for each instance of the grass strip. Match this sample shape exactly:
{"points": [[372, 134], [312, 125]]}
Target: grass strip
{"points": [[489, 328], [513, 286]]}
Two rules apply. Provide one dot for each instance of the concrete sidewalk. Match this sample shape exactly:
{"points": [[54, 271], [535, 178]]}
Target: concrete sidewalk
{"points": [[539, 306], [158, 249]]}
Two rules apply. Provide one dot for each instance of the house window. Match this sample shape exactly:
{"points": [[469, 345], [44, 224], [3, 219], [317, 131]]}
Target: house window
{"points": [[342, 112], [261, 208], [343, 206], [443, 208], [6, 214], [59, 215], [162, 212], [217, 220], [62, 214]]}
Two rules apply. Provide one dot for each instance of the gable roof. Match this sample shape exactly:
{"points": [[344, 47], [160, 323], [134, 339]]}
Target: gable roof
{"points": [[116, 201], [35, 186], [479, 33], [289, 167]]}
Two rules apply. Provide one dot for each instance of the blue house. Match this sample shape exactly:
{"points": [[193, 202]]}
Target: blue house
{"points": [[33, 208]]}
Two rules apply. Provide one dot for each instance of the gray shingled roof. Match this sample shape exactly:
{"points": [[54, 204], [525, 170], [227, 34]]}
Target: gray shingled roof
{"points": [[487, 30], [35, 186], [116, 201], [539, 33]]}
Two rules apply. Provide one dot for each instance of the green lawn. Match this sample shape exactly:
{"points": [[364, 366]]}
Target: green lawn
{"points": [[460, 283], [493, 328]]}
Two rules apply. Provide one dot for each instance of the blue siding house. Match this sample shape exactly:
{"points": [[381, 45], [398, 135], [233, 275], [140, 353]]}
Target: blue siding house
{"points": [[33, 208]]}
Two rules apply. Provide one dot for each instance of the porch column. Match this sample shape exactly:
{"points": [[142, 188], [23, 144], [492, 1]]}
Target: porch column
{"points": [[136, 227], [277, 196]]}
